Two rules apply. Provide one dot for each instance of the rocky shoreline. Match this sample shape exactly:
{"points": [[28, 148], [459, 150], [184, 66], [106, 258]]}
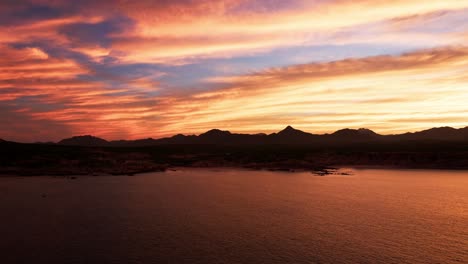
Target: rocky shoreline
{"points": [[55, 160], [131, 169]]}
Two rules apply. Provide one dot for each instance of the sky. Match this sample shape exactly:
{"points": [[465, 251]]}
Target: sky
{"points": [[138, 69]]}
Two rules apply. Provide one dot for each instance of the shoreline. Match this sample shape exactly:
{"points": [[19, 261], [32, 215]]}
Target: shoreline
{"points": [[318, 171], [36, 160]]}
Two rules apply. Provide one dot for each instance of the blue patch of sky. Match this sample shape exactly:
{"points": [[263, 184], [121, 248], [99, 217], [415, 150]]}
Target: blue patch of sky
{"points": [[91, 34], [194, 75], [24, 14]]}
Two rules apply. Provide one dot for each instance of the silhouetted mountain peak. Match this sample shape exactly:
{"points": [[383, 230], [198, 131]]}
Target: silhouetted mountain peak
{"points": [[215, 133], [361, 132], [288, 135], [178, 136], [86, 140], [289, 130], [366, 131]]}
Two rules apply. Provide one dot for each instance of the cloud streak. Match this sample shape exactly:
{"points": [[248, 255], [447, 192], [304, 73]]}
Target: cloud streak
{"points": [[137, 69], [412, 86]]}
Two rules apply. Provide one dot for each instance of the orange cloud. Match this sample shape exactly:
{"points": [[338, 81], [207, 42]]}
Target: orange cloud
{"points": [[67, 90], [379, 90], [164, 37]]}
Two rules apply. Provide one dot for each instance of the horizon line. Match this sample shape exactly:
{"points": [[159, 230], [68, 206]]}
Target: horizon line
{"points": [[259, 133]]}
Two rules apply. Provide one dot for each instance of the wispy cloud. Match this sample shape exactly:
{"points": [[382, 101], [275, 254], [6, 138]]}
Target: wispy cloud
{"points": [[154, 68], [414, 86]]}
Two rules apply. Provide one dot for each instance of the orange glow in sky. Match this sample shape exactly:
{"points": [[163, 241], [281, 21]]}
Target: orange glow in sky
{"points": [[138, 69]]}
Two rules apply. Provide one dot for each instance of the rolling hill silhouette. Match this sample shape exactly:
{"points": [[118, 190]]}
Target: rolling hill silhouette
{"points": [[355, 134], [288, 149], [86, 141], [438, 133], [288, 135]]}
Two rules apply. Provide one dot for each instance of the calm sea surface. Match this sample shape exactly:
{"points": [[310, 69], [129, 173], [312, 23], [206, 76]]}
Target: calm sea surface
{"points": [[237, 216]]}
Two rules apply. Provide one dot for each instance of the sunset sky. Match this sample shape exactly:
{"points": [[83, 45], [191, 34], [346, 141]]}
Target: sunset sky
{"points": [[138, 69]]}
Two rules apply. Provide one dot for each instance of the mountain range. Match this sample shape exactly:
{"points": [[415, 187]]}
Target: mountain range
{"points": [[442, 148], [287, 136]]}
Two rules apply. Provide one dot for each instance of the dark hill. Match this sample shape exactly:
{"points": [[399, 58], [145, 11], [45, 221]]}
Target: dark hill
{"points": [[287, 136], [437, 133], [290, 132], [215, 136], [178, 139], [88, 141], [354, 135], [288, 149], [290, 135]]}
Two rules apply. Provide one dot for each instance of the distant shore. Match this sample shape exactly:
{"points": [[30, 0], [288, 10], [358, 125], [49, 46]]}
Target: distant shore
{"points": [[58, 160], [317, 170], [147, 168]]}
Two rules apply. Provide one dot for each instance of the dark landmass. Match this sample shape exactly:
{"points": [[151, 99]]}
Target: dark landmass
{"points": [[83, 141], [287, 150], [287, 136]]}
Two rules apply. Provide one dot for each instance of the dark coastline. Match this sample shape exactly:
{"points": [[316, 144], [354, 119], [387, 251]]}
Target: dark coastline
{"points": [[58, 160]]}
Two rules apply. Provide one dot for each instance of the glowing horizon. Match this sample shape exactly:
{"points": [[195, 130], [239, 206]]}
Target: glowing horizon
{"points": [[141, 69]]}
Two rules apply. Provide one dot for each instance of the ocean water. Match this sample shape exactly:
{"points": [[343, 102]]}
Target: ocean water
{"points": [[237, 216]]}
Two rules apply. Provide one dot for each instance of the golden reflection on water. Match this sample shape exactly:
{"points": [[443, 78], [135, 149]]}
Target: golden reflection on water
{"points": [[238, 216]]}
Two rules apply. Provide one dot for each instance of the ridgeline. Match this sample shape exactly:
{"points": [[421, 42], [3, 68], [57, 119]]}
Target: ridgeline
{"points": [[289, 149]]}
